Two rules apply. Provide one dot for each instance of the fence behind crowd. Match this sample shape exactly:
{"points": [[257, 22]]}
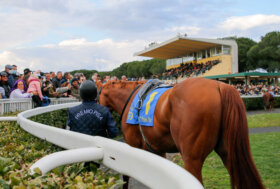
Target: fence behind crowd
{"points": [[22, 104]]}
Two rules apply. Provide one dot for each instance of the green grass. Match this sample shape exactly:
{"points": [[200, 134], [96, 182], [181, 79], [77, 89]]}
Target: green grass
{"points": [[263, 120], [266, 153]]}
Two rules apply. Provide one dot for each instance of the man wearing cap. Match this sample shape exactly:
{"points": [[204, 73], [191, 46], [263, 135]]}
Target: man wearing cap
{"points": [[89, 117], [4, 83], [75, 89], [27, 73], [9, 71]]}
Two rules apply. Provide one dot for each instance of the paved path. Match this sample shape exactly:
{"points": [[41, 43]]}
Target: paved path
{"points": [[254, 112], [134, 184], [264, 130]]}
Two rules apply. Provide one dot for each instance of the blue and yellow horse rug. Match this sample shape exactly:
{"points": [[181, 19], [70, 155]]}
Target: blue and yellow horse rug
{"points": [[143, 112]]}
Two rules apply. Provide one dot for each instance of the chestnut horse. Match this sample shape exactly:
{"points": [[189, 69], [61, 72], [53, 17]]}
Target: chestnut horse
{"points": [[268, 100], [194, 118]]}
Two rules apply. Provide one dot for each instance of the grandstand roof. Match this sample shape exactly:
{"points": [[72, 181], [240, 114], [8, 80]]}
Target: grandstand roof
{"points": [[244, 74], [179, 46]]}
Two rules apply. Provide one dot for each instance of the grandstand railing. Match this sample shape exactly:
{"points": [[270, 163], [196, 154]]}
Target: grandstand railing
{"points": [[22, 104], [152, 170]]}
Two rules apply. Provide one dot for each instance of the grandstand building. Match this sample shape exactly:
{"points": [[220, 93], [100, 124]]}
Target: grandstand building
{"points": [[183, 50]]}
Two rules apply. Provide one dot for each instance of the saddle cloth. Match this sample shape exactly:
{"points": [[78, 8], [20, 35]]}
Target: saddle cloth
{"points": [[146, 112]]}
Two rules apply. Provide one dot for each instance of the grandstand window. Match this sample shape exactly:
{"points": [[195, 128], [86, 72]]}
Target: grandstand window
{"points": [[199, 55], [174, 61], [219, 50], [168, 62], [188, 59], [226, 50], [195, 55], [208, 53], [192, 55], [212, 51], [203, 54]]}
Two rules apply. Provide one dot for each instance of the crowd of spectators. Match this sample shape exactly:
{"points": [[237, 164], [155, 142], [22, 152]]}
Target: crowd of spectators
{"points": [[188, 70], [38, 85], [257, 89]]}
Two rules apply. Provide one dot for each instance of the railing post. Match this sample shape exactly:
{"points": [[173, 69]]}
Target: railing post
{"points": [[2, 107]]}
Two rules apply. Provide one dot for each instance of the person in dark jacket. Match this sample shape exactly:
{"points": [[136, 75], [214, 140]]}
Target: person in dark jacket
{"points": [[65, 78], [47, 86], [75, 89], [56, 81], [89, 117], [4, 84], [27, 73], [9, 70]]}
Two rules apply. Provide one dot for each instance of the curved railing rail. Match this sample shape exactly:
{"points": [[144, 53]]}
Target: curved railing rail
{"points": [[150, 169]]}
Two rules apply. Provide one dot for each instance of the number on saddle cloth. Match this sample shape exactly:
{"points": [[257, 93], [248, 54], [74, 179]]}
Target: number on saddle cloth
{"points": [[141, 111], [146, 89]]}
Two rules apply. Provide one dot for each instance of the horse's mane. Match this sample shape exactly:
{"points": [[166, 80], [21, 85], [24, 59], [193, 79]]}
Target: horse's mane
{"points": [[122, 84]]}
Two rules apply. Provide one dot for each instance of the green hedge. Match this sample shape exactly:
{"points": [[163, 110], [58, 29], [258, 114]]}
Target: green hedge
{"points": [[19, 150], [58, 118], [257, 103]]}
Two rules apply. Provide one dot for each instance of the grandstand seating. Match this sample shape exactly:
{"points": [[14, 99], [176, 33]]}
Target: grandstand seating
{"points": [[190, 70], [222, 68]]}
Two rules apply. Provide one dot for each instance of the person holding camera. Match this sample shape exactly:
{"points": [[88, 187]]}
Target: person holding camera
{"points": [[47, 86]]}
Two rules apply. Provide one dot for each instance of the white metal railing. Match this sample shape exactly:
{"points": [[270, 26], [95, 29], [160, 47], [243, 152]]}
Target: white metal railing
{"points": [[255, 96], [151, 170], [22, 104]]}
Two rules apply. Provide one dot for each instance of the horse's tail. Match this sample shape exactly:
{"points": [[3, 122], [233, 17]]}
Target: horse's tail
{"points": [[235, 139]]}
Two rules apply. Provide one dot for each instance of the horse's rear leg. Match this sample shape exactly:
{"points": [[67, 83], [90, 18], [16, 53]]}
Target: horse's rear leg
{"points": [[221, 151], [195, 146], [194, 166]]}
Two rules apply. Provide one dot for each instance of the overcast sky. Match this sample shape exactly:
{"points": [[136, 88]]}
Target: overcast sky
{"points": [[66, 35]]}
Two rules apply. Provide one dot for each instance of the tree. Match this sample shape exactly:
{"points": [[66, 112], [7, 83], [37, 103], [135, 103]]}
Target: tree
{"points": [[266, 53], [158, 66], [144, 68], [244, 45], [87, 73], [253, 56]]}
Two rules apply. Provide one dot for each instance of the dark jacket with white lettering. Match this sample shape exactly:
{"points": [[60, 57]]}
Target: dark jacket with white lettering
{"points": [[92, 119]]}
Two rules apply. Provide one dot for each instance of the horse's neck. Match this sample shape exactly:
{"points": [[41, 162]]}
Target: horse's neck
{"points": [[119, 98]]}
